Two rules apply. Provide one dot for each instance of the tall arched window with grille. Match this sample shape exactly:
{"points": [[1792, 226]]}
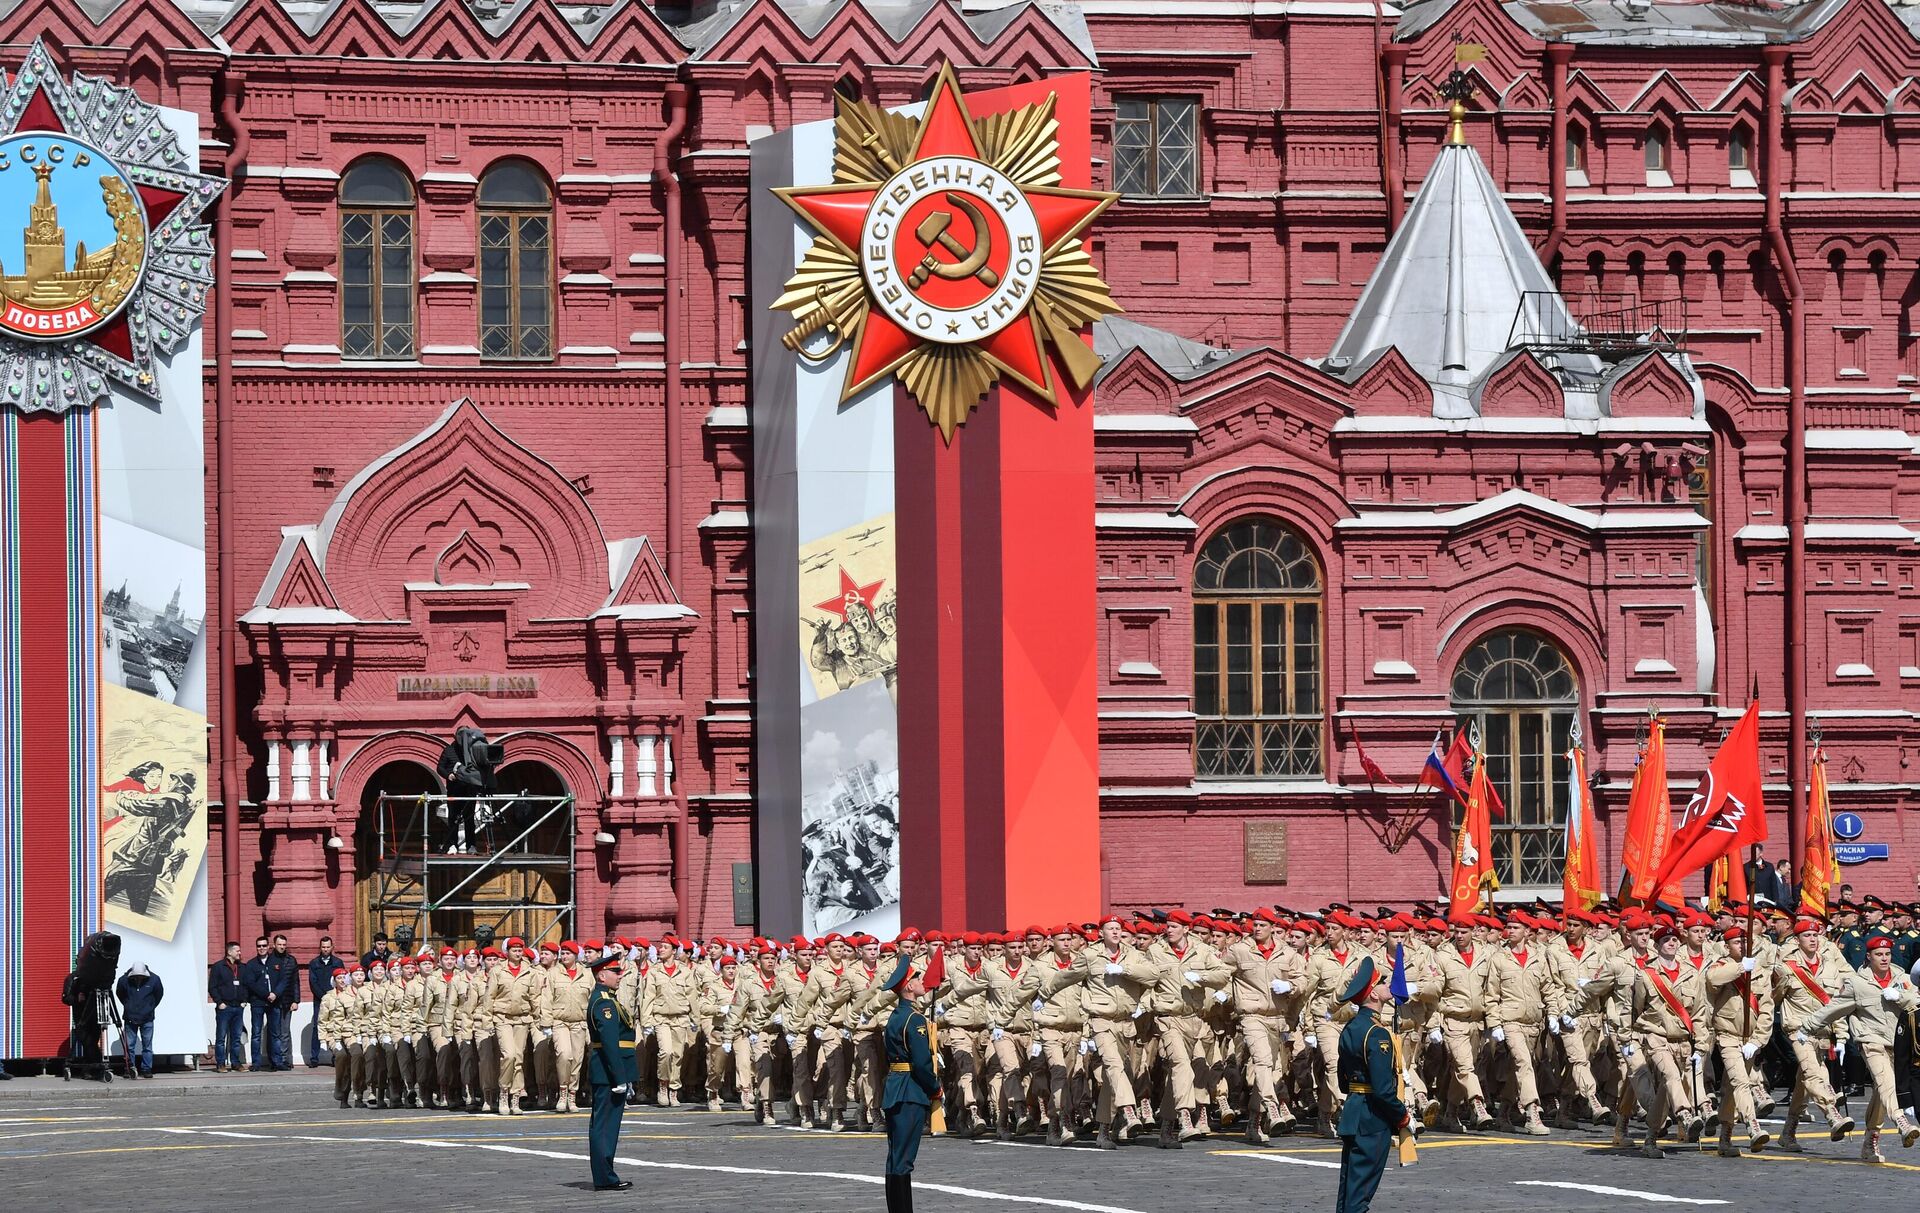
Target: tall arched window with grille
{"points": [[1521, 692], [1257, 667], [376, 261], [516, 263]]}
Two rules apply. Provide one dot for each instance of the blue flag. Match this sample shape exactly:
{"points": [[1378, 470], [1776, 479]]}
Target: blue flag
{"points": [[1397, 984]]}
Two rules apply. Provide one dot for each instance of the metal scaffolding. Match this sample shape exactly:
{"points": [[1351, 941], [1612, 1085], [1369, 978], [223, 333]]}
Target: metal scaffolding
{"points": [[418, 874]]}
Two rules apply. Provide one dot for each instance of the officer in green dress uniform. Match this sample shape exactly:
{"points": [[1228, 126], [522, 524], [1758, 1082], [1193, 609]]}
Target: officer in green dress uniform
{"points": [[1372, 1110], [611, 1068], [912, 1085]]}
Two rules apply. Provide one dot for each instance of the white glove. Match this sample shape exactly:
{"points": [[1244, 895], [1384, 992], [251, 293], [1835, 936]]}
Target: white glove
{"points": [[1747, 965], [653, 954], [779, 1019], [1553, 1025], [1840, 1051], [1892, 994], [1436, 1036], [753, 1039], [1034, 1050], [1413, 989], [696, 951], [726, 1047], [1313, 1042], [366, 1041], [1139, 1011], [1221, 995], [1279, 986], [1801, 1038], [546, 1033], [1500, 1035], [1039, 1004], [1114, 970], [620, 1091], [1699, 1060], [1568, 1021], [1406, 1076], [385, 1039], [1748, 1050], [939, 1011], [793, 1042], [1192, 978], [1626, 1050], [1581, 983], [1086, 1046], [817, 1034], [647, 1031], [997, 1033]]}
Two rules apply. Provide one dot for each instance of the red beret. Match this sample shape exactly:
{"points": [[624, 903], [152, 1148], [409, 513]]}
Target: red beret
{"points": [[493, 952], [351, 968], [1033, 932], [1879, 941], [971, 938], [594, 945], [1312, 925], [567, 945], [912, 933], [1737, 931], [1107, 918], [1805, 925], [516, 942], [449, 952], [1182, 917], [547, 945], [728, 959], [1666, 930]]}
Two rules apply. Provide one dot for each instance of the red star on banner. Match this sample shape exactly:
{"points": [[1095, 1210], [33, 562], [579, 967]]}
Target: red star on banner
{"points": [[851, 592], [839, 212]]}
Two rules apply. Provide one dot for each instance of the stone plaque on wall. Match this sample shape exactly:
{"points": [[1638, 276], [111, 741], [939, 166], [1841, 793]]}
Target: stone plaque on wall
{"points": [[1265, 850]]}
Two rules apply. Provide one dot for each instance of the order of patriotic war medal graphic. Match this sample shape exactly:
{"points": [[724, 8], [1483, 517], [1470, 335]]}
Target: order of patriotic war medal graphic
{"points": [[947, 254], [114, 266]]}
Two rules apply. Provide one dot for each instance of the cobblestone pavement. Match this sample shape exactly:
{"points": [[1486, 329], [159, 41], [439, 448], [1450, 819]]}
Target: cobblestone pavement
{"points": [[200, 1142]]}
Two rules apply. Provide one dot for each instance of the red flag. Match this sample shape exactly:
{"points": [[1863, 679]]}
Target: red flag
{"points": [[1819, 871], [1473, 849], [1455, 765], [1580, 878], [1374, 774], [1725, 813], [1649, 819], [936, 970]]}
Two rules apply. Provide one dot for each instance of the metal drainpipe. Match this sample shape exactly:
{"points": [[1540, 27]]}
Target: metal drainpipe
{"points": [[674, 107], [1392, 171], [1558, 55], [227, 633], [1775, 58]]}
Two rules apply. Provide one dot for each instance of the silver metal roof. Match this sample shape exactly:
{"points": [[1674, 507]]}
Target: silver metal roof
{"points": [[1450, 284]]}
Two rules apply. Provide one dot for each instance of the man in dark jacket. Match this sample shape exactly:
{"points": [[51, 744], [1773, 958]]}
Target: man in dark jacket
{"points": [[285, 969], [320, 971], [139, 992], [228, 993], [380, 951]]}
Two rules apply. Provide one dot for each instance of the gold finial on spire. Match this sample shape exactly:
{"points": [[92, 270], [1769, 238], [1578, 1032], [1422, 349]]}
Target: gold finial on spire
{"points": [[1457, 88]]}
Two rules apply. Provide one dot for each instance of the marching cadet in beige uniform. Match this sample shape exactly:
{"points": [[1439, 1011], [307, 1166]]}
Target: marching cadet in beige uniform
{"points": [[442, 992], [511, 998], [1873, 1000], [378, 1018], [1013, 983], [1463, 1012], [481, 1057], [1329, 969], [1742, 1023], [1424, 983], [334, 1030], [354, 1017], [1189, 972], [1116, 977], [727, 1051], [1805, 980], [868, 1008], [759, 1001], [808, 1001], [670, 997], [964, 999], [1269, 978], [834, 1014], [1516, 1000], [544, 1087], [568, 989], [1584, 976], [1671, 1039], [413, 1067], [1060, 1014]]}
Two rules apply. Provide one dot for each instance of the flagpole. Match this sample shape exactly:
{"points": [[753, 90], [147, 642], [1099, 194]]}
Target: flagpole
{"points": [[1746, 979]]}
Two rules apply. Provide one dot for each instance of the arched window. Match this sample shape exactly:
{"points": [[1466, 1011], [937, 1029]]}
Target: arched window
{"points": [[1576, 154], [516, 263], [1521, 693], [376, 260], [1256, 655]]}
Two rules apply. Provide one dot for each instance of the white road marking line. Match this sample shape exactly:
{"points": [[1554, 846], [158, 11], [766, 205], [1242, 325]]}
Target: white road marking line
{"points": [[1287, 1158], [565, 1156], [60, 1120], [1660, 1198]]}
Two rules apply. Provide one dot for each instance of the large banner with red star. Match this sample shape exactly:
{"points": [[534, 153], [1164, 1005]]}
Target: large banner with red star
{"points": [[103, 744], [924, 449]]}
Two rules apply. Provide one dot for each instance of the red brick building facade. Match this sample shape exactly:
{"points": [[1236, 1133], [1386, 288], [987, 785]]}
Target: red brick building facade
{"points": [[478, 372]]}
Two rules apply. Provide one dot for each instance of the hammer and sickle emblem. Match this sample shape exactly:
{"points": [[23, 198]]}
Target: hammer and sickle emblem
{"points": [[933, 233]]}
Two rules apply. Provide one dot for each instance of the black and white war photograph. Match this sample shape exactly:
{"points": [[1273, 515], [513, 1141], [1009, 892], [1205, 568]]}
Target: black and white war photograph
{"points": [[153, 601], [851, 816]]}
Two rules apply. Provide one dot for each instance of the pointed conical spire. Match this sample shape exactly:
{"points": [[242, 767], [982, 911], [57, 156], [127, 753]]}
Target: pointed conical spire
{"points": [[1449, 287]]}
